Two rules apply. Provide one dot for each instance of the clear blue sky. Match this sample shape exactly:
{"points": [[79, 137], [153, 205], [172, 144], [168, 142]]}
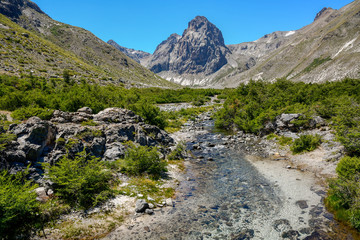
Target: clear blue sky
{"points": [[143, 24]]}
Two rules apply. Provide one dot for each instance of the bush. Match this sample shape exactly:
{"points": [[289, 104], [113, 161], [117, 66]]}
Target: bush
{"points": [[19, 209], [81, 182], [150, 113], [306, 143], [348, 167], [177, 153], [5, 139], [344, 195], [143, 160], [30, 111]]}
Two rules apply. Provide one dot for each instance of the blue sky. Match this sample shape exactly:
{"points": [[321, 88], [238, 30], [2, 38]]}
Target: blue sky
{"points": [[143, 24]]}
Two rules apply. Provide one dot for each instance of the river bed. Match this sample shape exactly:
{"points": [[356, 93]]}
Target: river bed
{"points": [[229, 195]]}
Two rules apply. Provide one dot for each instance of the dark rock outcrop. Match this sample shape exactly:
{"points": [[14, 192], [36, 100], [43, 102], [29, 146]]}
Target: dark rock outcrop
{"points": [[13, 8], [47, 141]]}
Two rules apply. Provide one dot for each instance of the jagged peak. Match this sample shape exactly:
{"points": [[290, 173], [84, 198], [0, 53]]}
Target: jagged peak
{"points": [[322, 11], [198, 22]]}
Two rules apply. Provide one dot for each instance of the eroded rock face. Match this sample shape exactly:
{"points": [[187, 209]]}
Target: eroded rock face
{"points": [[201, 49], [13, 8], [47, 141]]}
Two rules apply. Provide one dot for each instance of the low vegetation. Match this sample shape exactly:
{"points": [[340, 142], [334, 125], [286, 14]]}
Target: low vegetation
{"points": [[306, 143], [140, 160], [33, 96], [251, 106], [19, 209], [81, 182], [344, 195]]}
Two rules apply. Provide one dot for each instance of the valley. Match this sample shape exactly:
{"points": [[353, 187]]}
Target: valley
{"points": [[197, 140]]}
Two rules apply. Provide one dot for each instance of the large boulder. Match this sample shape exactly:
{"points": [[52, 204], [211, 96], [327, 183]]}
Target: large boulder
{"points": [[32, 137], [117, 115]]}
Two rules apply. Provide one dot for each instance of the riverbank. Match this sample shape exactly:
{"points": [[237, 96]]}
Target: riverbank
{"points": [[228, 193]]}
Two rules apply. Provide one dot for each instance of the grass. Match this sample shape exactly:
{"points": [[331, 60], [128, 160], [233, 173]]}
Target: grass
{"points": [[148, 188], [317, 62]]}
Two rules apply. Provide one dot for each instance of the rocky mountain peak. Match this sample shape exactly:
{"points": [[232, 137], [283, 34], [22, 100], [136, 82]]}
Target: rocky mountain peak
{"points": [[322, 12], [198, 22], [13, 8], [200, 50]]}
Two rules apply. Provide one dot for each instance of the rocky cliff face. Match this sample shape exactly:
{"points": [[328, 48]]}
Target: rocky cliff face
{"points": [[326, 50], [40, 141], [14, 8], [198, 53]]}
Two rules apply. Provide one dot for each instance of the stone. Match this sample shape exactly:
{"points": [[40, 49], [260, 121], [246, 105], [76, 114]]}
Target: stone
{"points": [[302, 204], [41, 194], [141, 206], [291, 234], [169, 202], [149, 211], [114, 151], [86, 110]]}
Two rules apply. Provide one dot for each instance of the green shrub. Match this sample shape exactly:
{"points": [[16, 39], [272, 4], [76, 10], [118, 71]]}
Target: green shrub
{"points": [[31, 111], [177, 153], [150, 113], [19, 209], [89, 123], [348, 167], [81, 182], [305, 143], [140, 160], [284, 141], [5, 139], [344, 191]]}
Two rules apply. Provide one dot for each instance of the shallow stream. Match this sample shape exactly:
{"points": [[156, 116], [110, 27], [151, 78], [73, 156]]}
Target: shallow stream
{"points": [[226, 196]]}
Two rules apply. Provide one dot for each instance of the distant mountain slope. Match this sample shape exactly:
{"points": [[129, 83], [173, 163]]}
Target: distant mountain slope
{"points": [[136, 55], [102, 60], [326, 50]]}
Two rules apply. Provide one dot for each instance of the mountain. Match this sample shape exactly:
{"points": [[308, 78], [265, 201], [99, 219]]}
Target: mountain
{"points": [[326, 50], [136, 55], [36, 43], [190, 58]]}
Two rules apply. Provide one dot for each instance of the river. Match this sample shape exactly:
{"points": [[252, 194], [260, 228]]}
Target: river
{"points": [[228, 195]]}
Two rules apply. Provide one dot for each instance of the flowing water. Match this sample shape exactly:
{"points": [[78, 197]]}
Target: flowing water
{"points": [[226, 197]]}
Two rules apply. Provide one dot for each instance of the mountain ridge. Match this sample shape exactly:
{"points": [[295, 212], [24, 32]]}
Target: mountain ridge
{"points": [[299, 55], [107, 64]]}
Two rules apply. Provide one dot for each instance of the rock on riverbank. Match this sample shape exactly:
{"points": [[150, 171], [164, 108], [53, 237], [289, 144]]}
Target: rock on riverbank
{"points": [[101, 135]]}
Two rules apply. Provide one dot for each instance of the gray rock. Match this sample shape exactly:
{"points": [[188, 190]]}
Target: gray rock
{"points": [[85, 110], [15, 156], [98, 146], [149, 211], [169, 202], [141, 206], [302, 204], [114, 151], [41, 194], [201, 49], [117, 115]]}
